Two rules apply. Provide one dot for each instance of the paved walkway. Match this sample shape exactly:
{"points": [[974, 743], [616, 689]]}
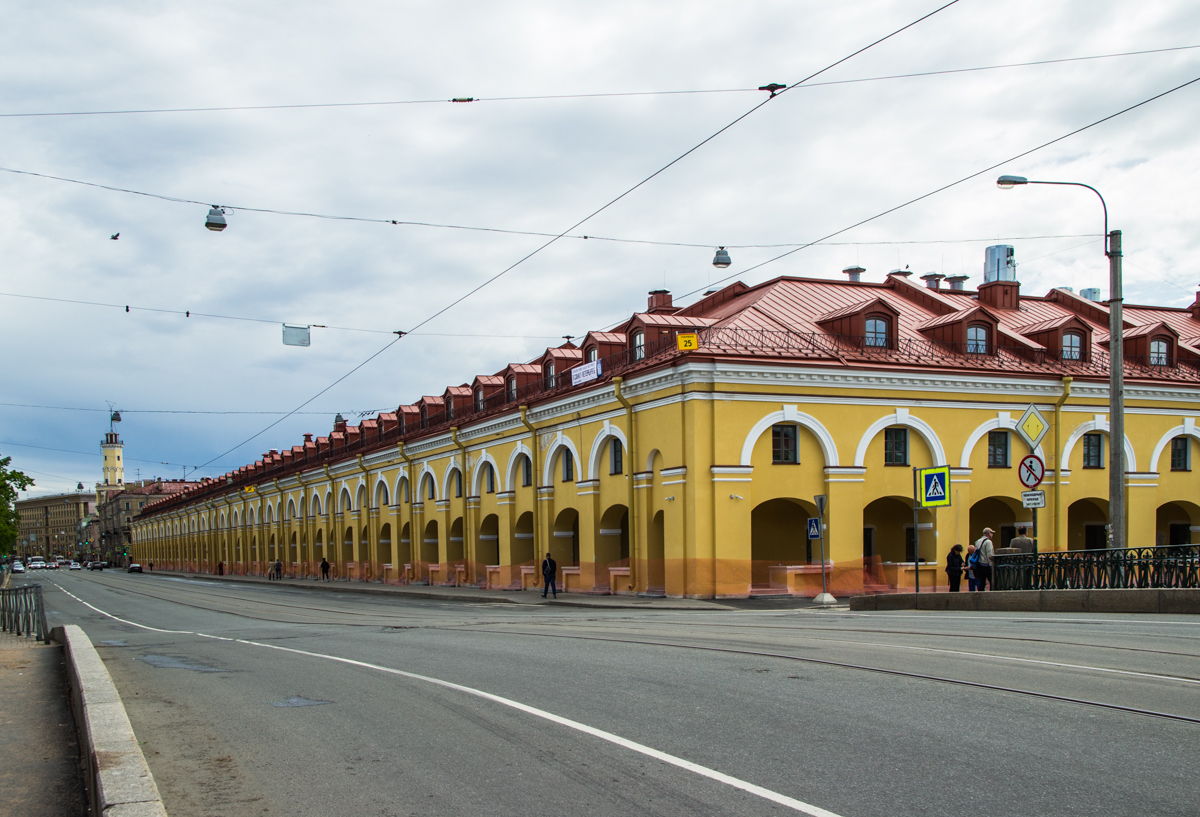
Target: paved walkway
{"points": [[40, 772], [529, 597]]}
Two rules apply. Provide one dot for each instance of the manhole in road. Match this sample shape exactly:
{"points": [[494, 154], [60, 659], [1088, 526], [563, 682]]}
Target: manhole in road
{"points": [[176, 662], [297, 700]]}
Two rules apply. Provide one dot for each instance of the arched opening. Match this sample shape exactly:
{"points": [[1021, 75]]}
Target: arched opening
{"points": [[522, 546], [429, 543], [779, 536], [564, 540], [1002, 514], [888, 532], [405, 551], [348, 546], [612, 541], [1087, 524], [366, 569], [318, 548], [656, 556], [1174, 522], [383, 553], [487, 552], [293, 553], [454, 547], [381, 496]]}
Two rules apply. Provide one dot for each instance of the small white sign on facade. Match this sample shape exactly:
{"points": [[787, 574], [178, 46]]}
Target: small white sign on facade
{"points": [[1033, 499], [585, 372], [295, 335]]}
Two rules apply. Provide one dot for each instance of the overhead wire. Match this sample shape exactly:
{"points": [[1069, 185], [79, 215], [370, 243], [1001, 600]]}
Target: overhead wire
{"points": [[594, 213], [945, 187], [598, 95], [186, 411]]}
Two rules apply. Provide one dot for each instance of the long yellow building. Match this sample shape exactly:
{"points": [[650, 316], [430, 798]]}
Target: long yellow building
{"points": [[644, 468]]}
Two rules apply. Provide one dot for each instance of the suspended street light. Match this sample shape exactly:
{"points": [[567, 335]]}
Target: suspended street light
{"points": [[216, 219], [722, 260]]}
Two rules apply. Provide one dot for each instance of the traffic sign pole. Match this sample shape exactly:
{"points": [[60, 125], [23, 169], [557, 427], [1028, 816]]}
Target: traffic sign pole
{"points": [[916, 535]]}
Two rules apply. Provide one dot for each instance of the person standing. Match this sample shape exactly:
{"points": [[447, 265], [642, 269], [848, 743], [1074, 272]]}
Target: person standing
{"points": [[983, 563], [549, 576], [1022, 542], [954, 568], [220, 568], [972, 559], [324, 569]]}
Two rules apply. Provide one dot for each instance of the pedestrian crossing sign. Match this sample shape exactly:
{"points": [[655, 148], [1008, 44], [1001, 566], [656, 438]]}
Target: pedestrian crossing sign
{"points": [[933, 487], [814, 527]]}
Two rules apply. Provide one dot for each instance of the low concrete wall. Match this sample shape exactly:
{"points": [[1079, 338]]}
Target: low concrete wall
{"points": [[1149, 600], [119, 781]]}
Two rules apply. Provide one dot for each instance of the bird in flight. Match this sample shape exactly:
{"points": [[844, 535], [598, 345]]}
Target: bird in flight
{"points": [[115, 236]]}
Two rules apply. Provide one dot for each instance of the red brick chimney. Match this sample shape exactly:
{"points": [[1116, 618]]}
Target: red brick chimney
{"points": [[1001, 294], [659, 301]]}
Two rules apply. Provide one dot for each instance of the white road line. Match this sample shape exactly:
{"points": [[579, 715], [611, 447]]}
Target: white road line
{"points": [[640, 748]]}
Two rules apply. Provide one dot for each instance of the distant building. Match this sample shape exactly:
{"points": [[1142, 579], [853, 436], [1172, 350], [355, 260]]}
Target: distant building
{"points": [[116, 511], [50, 524]]}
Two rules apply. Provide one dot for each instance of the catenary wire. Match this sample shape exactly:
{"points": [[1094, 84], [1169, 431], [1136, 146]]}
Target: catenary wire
{"points": [[601, 95], [592, 215], [186, 411], [945, 187]]}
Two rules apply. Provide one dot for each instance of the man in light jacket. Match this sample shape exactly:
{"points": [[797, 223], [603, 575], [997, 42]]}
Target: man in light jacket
{"points": [[983, 567]]}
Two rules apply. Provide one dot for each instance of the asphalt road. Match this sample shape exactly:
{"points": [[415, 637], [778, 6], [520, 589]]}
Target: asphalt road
{"points": [[261, 699]]}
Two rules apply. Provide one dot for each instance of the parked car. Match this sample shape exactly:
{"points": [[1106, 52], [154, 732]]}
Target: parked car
{"points": [[18, 567], [134, 567], [75, 566]]}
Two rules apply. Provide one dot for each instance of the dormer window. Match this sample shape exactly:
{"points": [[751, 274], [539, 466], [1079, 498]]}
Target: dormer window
{"points": [[479, 399], [1072, 346], [1159, 352], [877, 333], [977, 340], [593, 354], [639, 345], [424, 416], [548, 379], [450, 408], [512, 390]]}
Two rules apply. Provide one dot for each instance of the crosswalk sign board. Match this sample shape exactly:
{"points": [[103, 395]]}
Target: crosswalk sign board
{"points": [[933, 487], [814, 527]]}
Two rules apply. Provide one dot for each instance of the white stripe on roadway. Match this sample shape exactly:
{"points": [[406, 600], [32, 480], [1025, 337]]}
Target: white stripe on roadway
{"points": [[640, 748]]}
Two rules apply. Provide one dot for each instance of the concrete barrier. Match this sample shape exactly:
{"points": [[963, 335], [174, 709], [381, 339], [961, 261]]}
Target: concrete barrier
{"points": [[119, 781], [1148, 600]]}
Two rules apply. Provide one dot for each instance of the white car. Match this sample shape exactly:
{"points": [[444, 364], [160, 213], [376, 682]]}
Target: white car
{"points": [[18, 567], [75, 566]]}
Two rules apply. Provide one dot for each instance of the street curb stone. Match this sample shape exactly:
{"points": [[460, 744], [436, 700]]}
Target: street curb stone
{"points": [[1146, 600]]}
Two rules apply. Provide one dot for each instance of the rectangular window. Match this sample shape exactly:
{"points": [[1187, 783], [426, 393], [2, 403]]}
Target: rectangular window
{"points": [[783, 445], [895, 446], [526, 471], [458, 483], [1093, 450], [1180, 461], [998, 449], [491, 480], [568, 466], [616, 458]]}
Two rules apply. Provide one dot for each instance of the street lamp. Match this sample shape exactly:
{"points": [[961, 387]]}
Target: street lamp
{"points": [[1116, 365]]}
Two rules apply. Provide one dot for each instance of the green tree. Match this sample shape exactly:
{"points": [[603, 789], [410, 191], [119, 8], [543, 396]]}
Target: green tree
{"points": [[10, 522]]}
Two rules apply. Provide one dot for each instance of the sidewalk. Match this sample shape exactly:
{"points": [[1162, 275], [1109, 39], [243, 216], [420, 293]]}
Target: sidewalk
{"points": [[40, 775], [524, 597]]}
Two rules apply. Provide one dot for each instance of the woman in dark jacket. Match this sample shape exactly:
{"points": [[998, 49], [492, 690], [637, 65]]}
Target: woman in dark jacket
{"points": [[954, 567]]}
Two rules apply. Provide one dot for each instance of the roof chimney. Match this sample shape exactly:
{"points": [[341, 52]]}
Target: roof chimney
{"points": [[854, 273], [933, 280], [308, 438], [956, 281], [659, 301], [339, 423], [1195, 308]]}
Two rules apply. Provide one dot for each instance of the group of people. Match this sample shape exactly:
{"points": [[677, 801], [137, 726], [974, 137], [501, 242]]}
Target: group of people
{"points": [[275, 571], [977, 563]]}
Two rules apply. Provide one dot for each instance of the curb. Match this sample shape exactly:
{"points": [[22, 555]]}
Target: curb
{"points": [[118, 780], [1144, 600], [493, 596]]}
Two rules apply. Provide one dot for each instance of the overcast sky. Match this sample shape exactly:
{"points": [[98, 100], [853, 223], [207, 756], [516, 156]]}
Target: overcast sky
{"points": [[809, 163]]}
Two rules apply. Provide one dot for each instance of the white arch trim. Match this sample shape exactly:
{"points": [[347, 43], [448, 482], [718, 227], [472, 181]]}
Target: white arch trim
{"points": [[1188, 429], [1003, 420], [901, 418], [477, 474], [791, 414], [426, 470], [560, 441], [609, 430], [450, 469], [1100, 423], [510, 473], [380, 481]]}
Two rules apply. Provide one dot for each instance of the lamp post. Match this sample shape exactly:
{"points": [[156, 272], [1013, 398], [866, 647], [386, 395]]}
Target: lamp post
{"points": [[1116, 367]]}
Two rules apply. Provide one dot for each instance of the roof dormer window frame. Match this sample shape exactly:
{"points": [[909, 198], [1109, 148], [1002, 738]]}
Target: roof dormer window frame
{"points": [[979, 339]]}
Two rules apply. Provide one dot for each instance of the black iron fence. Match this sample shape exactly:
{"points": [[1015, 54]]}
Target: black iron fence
{"points": [[22, 611], [1171, 566]]}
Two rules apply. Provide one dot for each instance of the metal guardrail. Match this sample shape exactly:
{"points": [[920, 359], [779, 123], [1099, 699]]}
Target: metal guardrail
{"points": [[1169, 566], [22, 611]]}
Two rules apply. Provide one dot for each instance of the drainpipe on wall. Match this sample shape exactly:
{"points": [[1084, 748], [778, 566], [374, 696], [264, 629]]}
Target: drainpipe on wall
{"points": [[1058, 537], [412, 512], [537, 510], [367, 480], [467, 543], [633, 550]]}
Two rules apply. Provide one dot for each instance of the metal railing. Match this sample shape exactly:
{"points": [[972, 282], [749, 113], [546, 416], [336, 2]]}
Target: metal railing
{"points": [[22, 611], [1170, 566]]}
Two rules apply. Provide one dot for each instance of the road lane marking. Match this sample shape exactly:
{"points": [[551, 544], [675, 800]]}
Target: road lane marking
{"points": [[640, 748]]}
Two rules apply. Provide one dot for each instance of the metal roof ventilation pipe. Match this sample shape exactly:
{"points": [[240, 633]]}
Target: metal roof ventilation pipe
{"points": [[933, 280], [956, 281], [1091, 293], [854, 273]]}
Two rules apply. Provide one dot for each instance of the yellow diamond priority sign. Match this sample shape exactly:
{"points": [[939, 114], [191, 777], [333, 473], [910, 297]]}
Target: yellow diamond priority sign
{"points": [[1032, 427]]}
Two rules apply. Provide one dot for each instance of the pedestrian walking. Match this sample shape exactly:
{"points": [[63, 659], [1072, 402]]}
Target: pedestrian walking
{"points": [[983, 560], [220, 568], [152, 567], [279, 570], [1022, 542], [324, 569], [954, 568], [549, 576], [971, 561]]}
